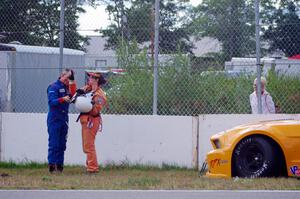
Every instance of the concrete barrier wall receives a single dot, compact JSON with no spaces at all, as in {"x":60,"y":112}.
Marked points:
{"x":180,"y":140}
{"x":212,"y":124}
{"x":136,"y":139}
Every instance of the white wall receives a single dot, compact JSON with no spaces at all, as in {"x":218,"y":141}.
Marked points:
{"x":212,"y":124}
{"x":137,"y":139}
{"x":111,"y":61}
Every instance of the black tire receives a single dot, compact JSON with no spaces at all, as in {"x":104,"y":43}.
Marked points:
{"x":254,"y":157}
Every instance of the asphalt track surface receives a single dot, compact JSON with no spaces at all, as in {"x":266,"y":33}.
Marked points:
{"x":142,"y":194}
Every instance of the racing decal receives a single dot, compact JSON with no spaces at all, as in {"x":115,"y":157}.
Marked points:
{"x":295,"y":170}
{"x":62,"y":90}
{"x":217,"y":162}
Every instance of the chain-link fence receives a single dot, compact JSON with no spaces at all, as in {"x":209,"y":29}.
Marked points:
{"x":207,"y":54}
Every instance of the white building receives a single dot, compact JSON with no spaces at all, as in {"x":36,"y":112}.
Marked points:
{"x":99,"y":57}
{"x":282,"y":66}
{"x":26,"y":72}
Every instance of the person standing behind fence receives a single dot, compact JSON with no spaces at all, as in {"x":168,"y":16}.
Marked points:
{"x":59,"y":96}
{"x":266,"y":99}
{"x":91,"y":122}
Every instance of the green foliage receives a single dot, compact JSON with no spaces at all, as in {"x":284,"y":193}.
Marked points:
{"x":16,"y":21}
{"x":285,"y":91}
{"x":213,"y":62}
{"x":284,"y":30}
{"x":131,"y":93}
{"x":134,"y":20}
{"x":184,"y":91}
{"x":37,"y":22}
{"x":194,"y":94}
{"x":229,"y":21}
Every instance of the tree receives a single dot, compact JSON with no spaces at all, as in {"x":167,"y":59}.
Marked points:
{"x":48,"y":23}
{"x":16,"y":22}
{"x":174,"y":34}
{"x":36,"y":22}
{"x":229,"y":21}
{"x":134,"y":20}
{"x":283,"y":31}
{"x":117,"y":13}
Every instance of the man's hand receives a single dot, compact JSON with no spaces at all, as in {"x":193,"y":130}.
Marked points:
{"x":67,"y":99}
{"x":71,"y":77}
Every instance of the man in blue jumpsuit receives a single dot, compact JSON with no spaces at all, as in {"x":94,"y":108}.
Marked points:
{"x":59,"y":96}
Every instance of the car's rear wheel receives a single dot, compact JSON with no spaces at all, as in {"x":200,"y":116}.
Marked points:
{"x":254,"y":157}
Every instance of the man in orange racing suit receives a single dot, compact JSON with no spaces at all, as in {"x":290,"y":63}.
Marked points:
{"x":91,"y":122}
{"x":59,"y":96}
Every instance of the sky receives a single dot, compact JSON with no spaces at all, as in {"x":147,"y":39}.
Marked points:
{"x":97,"y":18}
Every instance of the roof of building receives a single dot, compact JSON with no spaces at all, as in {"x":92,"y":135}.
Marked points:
{"x":37,"y":49}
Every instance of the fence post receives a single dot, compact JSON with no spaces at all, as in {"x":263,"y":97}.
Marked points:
{"x":257,"y":32}
{"x":156,"y":51}
{"x":61,"y":34}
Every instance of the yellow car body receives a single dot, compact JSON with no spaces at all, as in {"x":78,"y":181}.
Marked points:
{"x":282,"y":136}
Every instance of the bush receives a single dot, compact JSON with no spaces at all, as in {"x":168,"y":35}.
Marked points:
{"x":182,"y":91}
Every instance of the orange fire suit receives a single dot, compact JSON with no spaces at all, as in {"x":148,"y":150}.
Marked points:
{"x":92,"y":123}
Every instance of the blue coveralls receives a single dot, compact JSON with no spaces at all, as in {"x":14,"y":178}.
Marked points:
{"x":57,"y":122}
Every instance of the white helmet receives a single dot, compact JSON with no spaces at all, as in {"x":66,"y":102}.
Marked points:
{"x":83,"y":104}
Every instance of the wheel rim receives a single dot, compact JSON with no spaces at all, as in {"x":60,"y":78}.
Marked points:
{"x":253,"y":159}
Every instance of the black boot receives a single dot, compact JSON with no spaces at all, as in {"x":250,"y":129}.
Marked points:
{"x":51,"y":168}
{"x":60,"y":167}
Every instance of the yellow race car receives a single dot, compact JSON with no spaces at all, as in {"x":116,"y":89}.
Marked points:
{"x":264,"y":149}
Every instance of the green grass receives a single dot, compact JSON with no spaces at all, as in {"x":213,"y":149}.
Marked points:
{"x":23,"y":165}
{"x":141,"y":167}
{"x":126,"y":176}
